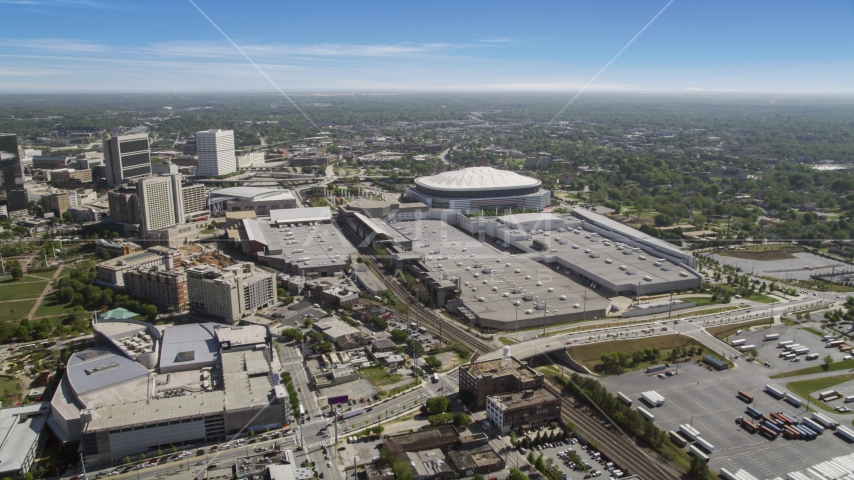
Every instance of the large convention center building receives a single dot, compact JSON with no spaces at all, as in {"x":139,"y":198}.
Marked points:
{"x":142,"y":388}
{"x":476,"y":188}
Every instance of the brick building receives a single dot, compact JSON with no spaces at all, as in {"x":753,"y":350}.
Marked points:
{"x":525,"y":409}
{"x":155,"y":284}
{"x":492,"y":377}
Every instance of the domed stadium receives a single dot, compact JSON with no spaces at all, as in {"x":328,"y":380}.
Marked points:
{"x":475,"y":188}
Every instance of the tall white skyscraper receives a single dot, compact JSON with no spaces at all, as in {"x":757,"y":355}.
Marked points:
{"x":216,"y":152}
{"x":161,"y":201}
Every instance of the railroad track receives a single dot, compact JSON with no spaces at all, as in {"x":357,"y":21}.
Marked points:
{"x":611,"y":442}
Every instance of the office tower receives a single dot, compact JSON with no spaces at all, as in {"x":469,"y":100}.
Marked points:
{"x":195,"y":199}
{"x":161,"y":202}
{"x":124,"y":205}
{"x":126,"y":157}
{"x":15,"y":201}
{"x":216,"y":153}
{"x":59,"y":203}
{"x":232,"y":292}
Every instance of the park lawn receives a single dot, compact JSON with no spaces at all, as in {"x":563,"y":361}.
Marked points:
{"x":379,"y":376}
{"x":758,"y":297}
{"x":709,"y":311}
{"x":804,"y":387}
{"x":724,"y":331}
{"x":590,"y":355}
{"x":700,"y":301}
{"x":21,"y":291}
{"x":507,"y":341}
{"x":46,"y":274}
{"x":844,"y":365}
{"x":17,"y":309}
{"x":50,"y":307}
{"x":8,"y":383}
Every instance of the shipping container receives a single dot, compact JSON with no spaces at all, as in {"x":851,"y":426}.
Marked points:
{"x":689,"y":431}
{"x":813,"y":425}
{"x":845,"y":432}
{"x":791,"y":434}
{"x":749,"y":426}
{"x":745,"y":348}
{"x":793,"y":347}
{"x":705,"y":445}
{"x":784,"y":343}
{"x":746,"y":396}
{"x":788,"y":418}
{"x":753,"y":412}
{"x":773,"y":427}
{"x":624,"y":398}
{"x":768,"y":432}
{"x":773,"y":391}
{"x":646,"y":414}
{"x":698,"y":453}
{"x":677,"y":439}
{"x":351,"y":413}
{"x":802,"y":351}
{"x":653,"y":398}
{"x":828,"y":423}
{"x":772,"y":336}
{"x":794,"y":400}
{"x":781,"y":418}
{"x":834,"y":343}
{"x":737,"y":342}
{"x":828,"y":394}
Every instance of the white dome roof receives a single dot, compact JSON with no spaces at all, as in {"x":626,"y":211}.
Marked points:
{"x":476,"y":178}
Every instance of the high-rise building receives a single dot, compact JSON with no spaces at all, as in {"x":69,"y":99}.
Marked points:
{"x":164,"y":288}
{"x":232,"y":292}
{"x":59,"y":203}
{"x":126,"y":157}
{"x":124,"y":205}
{"x":195,"y":200}
{"x":161,"y":202}
{"x":15,"y":196}
{"x":216,"y":153}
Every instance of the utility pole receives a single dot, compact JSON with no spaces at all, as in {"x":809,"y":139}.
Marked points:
{"x":670,"y":311}
{"x":545,"y":309}
{"x":335,"y":422}
{"x":82,"y":465}
{"x":584,"y":318}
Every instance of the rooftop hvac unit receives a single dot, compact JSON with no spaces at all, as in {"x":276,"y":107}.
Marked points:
{"x":550,"y":289}
{"x":623,"y":267}
{"x":539,"y":284}
{"x":467,"y":284}
{"x":641,"y":257}
{"x":554,"y":250}
{"x":657,"y":264}
{"x":529,"y":312}
{"x":528,"y":297}
{"x":508,"y":265}
{"x":516,"y":290}
{"x":518,"y":270}
{"x":465,"y":249}
{"x":666,"y":269}
{"x":575,"y":305}
{"x":631,"y":272}
{"x":486,"y":282}
{"x":486,"y":270}
{"x":683,"y":274}
{"x":468,"y":268}
{"x":481,"y":299}
{"x":505,"y":294}
{"x":563,"y":241}
{"x":594,"y":255}
{"x":563,"y":297}
{"x":459,"y":264}
{"x":575,"y":247}
{"x":494,"y":289}
{"x":647,"y":278}
{"x":662,"y":260}
{"x":477,"y":264}
{"x":586,"y":250}
{"x":609,"y":261}
{"x":628,"y":252}
{"x":476,"y":275}
{"x":527,"y":277}
{"x":517,"y":303}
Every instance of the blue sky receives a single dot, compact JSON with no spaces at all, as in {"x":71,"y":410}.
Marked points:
{"x":168,"y":46}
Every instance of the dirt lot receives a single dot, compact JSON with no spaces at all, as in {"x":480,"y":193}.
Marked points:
{"x":757,"y":253}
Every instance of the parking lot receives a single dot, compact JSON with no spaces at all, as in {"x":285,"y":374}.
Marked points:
{"x":593,"y":464}
{"x":708,"y":401}
{"x":769,"y":352}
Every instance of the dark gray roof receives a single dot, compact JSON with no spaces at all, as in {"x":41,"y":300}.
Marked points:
{"x":198,"y":338}
{"x":92,"y":370}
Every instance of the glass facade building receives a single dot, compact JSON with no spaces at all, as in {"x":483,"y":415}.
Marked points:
{"x":14,"y":196}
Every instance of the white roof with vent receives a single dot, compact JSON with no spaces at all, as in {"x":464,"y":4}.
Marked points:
{"x":476,"y":178}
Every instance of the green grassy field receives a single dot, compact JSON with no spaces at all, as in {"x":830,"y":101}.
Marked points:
{"x":724,"y":331}
{"x":835,"y":366}
{"x":700,"y":301}
{"x":46,"y":274}
{"x":507,"y":341}
{"x":21,"y":291}
{"x":758,"y":297}
{"x":50,"y":306}
{"x":813,"y":331}
{"x":804,"y":387}
{"x":16,"y":310}
{"x":379,"y":377}
{"x":8,"y":383}
{"x":590,"y":355}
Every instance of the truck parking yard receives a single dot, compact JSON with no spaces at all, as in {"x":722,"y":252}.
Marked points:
{"x":710,"y":403}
